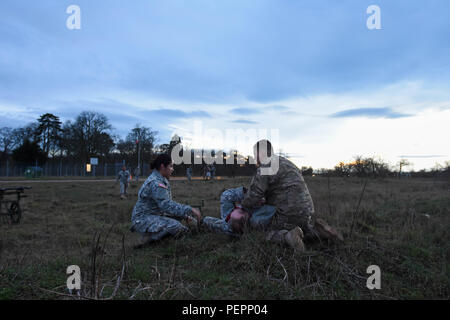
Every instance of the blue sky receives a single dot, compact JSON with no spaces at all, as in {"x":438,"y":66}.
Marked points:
{"x":310,"y":69}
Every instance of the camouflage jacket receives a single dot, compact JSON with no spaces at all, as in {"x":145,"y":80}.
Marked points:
{"x":155,"y":197}
{"x":123,"y":176}
{"x":232,"y":195}
{"x":285,"y":189}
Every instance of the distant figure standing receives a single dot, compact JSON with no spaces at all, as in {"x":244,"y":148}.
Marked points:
{"x":124,"y":178}
{"x":208,"y":173}
{"x":189,"y":173}
{"x":213,"y":171}
{"x":136,"y":174}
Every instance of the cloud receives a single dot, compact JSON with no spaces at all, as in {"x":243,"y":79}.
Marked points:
{"x":278,"y":108}
{"x":259,"y":110}
{"x":176,"y":113}
{"x":370,"y":113}
{"x":246,"y":111}
{"x":244,"y":121}
{"x":421,"y":156}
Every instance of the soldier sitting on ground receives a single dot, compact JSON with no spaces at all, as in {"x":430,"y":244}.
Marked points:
{"x":155,"y":214}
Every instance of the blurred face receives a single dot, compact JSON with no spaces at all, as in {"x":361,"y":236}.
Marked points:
{"x":238,"y":219}
{"x":166,"y":171}
{"x":124,"y":168}
{"x":261,"y":156}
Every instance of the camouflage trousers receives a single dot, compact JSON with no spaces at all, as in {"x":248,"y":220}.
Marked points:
{"x":260,"y":218}
{"x":123,"y":188}
{"x":217,"y":225}
{"x":157,"y":227}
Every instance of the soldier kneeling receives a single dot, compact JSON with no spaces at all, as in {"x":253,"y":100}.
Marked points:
{"x":155,"y":214}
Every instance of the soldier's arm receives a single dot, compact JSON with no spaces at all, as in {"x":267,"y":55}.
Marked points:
{"x":233,"y":195}
{"x":257,"y":191}
{"x":169,"y":207}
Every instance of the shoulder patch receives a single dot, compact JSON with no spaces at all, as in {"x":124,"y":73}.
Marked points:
{"x":162,"y":185}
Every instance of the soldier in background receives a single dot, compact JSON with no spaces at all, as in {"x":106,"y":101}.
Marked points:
{"x":155,"y":214}
{"x":206,"y":172}
{"x":189,"y":173}
{"x":124,"y":178}
{"x":281,"y":185}
{"x":213,"y":171}
{"x":137,"y":173}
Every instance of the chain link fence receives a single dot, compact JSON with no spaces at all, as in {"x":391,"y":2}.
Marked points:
{"x":63,"y":169}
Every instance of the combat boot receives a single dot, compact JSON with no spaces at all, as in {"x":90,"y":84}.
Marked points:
{"x":145,"y":240}
{"x":327,"y":232}
{"x":293,"y":238}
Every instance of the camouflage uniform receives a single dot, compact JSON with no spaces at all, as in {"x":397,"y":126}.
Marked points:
{"x":287,"y":191}
{"x":123,"y":177}
{"x":155,"y":213}
{"x":228,"y":200}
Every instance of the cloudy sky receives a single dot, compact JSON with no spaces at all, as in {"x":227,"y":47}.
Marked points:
{"x":310,"y":72}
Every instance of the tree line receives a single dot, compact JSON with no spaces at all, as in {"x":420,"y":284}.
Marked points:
{"x":378,"y":168}
{"x":90,"y":134}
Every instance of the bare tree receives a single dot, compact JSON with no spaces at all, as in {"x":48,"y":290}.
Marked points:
{"x":7,"y":140}
{"x":401,"y":164}
{"x":90,"y":135}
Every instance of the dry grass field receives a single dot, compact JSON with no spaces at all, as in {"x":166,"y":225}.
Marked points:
{"x":401,"y":225}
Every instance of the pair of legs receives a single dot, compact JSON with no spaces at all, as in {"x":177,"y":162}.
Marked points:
{"x":154,"y":227}
{"x":123,"y":189}
{"x":291,"y":230}
{"x":260,"y":217}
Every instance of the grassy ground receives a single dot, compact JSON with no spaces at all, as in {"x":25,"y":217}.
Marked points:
{"x":401,"y":225}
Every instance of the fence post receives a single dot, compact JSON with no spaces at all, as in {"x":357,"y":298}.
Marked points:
{"x":7,"y":168}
